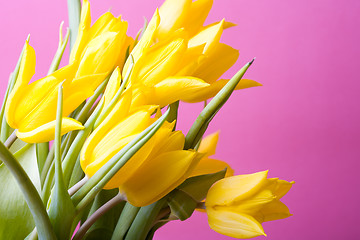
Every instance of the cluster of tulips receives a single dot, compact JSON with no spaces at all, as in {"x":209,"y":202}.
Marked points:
{"x":91,"y":151}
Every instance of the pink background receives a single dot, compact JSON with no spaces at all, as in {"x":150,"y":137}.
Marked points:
{"x":303,"y":124}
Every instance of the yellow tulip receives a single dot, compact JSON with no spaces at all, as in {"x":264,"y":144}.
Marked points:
{"x":176,"y":46}
{"x":209,"y":165}
{"x":31,"y":108}
{"x":236,"y":206}
{"x":106,"y":37}
{"x":156,"y":169}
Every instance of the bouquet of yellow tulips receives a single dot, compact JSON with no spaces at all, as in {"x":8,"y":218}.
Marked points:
{"x":91,"y":151}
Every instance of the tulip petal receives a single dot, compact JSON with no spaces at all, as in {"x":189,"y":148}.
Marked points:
{"x":217,"y":62}
{"x":235,"y":188}
{"x":210,"y":91}
{"x":146,"y":40}
{"x":159,"y":62}
{"x":233,"y":224}
{"x":282,"y":188}
{"x":197,"y":15}
{"x":274,"y":211}
{"x":46,"y":132}
{"x":26,"y":71}
{"x":208,"y":144}
{"x":173,"y":13}
{"x":99,"y":54}
{"x":211,"y":36}
{"x":208,"y":165}
{"x":176,"y":88}
{"x":112,"y":86}
{"x":157,"y":177}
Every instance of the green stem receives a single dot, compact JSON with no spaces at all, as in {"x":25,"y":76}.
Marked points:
{"x":126,"y":218}
{"x":74,"y":11}
{"x":144,"y":220}
{"x":31,"y":195}
{"x":59,"y":52}
{"x":97,"y":214}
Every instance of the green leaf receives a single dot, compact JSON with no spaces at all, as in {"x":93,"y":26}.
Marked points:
{"x":61,"y":210}
{"x":181,"y":204}
{"x":16,"y":221}
{"x":201,"y":123}
{"x":198,"y":186}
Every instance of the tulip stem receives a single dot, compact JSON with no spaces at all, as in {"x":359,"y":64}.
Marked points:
{"x":31,"y":195}
{"x":97,"y":214}
{"x":60,"y":51}
{"x":11,"y":139}
{"x":207,"y":114}
{"x":144,"y":220}
{"x":74,"y":11}
{"x":127,"y":216}
{"x":77,"y":186}
{"x":75,"y":148}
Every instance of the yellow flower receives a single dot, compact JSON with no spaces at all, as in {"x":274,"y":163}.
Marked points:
{"x":176,"y":46}
{"x":31,"y":108}
{"x":209,"y":165}
{"x":156,"y":169}
{"x":106,"y":40}
{"x":236,"y":206}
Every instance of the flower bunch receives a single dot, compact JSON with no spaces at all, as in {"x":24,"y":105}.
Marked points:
{"x":117,"y":165}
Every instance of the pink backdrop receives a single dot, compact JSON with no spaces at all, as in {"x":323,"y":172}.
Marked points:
{"x":303,"y":124}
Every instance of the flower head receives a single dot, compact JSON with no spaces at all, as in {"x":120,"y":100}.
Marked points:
{"x":31,"y":107}
{"x":236,"y":206}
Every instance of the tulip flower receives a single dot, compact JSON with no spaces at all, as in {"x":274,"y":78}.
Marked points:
{"x":31,"y":108}
{"x":209,"y":165}
{"x":191,"y":52}
{"x":236,"y":206}
{"x":156,"y":169}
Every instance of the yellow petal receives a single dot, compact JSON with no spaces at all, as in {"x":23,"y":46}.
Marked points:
{"x":210,"y":36}
{"x":173,"y":13}
{"x":198,"y":12}
{"x":253,"y":204}
{"x":235,"y":188}
{"x":233,"y":224}
{"x":176,"y":88}
{"x":97,"y":147}
{"x":282,"y":188}
{"x":112,"y":87}
{"x":274,"y":211}
{"x":217,"y":62}
{"x":101,"y":54}
{"x":107,"y":23}
{"x":159,"y":62}
{"x":210,"y":91}
{"x":157,"y":177}
{"x":208,"y":144}
{"x":146,"y":40}
{"x":207,"y":166}
{"x":46,"y":132}
{"x":26,"y":71}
